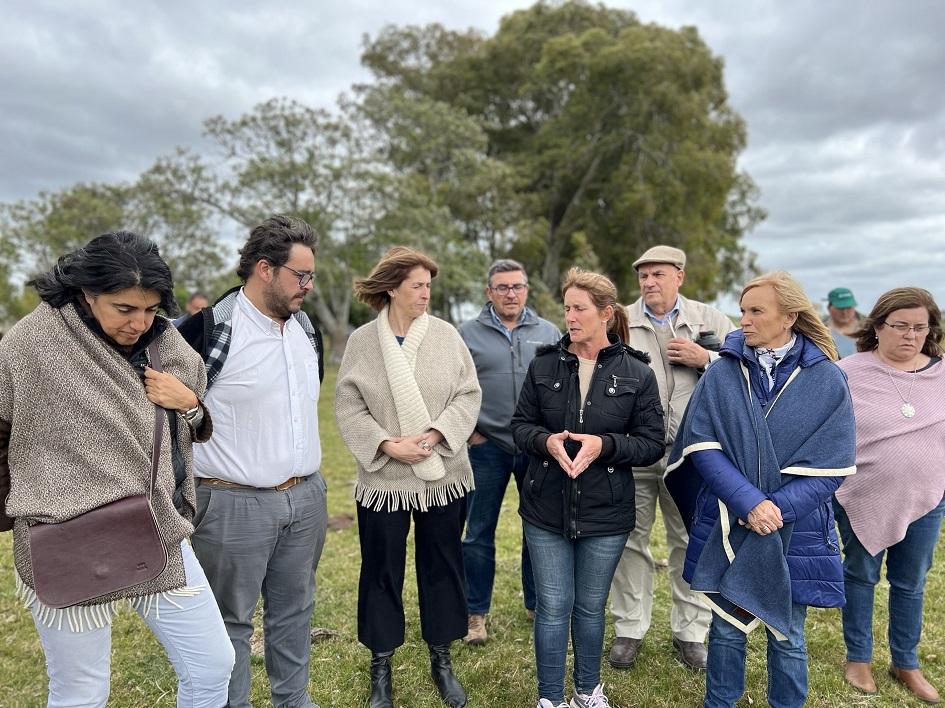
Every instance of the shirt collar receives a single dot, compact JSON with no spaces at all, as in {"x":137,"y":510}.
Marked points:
{"x":668,"y":317}
{"x":265,"y":323}
{"x":500,"y":323}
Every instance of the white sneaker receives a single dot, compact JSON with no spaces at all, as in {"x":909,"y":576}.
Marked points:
{"x":545,"y":703}
{"x":597,"y":699}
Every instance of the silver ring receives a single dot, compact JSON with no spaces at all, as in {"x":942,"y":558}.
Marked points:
{"x":765,"y":529}
{"x":424,"y":444}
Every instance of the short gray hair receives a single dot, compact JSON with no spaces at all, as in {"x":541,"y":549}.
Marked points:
{"x":505,"y":265}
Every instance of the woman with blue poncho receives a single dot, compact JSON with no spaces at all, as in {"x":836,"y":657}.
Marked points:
{"x":766,"y":440}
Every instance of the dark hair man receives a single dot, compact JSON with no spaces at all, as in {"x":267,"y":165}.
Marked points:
{"x":264,"y":530}
{"x":665,"y":325}
{"x":503,"y":340}
{"x":196,"y":302}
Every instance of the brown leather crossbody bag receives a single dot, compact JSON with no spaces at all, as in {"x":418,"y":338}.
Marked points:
{"x":102,"y":551}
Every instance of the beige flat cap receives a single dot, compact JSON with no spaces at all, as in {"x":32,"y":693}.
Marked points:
{"x":662,"y":254}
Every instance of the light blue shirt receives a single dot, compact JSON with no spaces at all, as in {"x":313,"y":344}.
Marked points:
{"x":505,"y":330}
{"x":665,"y":320}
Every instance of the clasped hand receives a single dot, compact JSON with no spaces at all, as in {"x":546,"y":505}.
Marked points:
{"x":167,"y":391}
{"x":590,"y":451}
{"x":764,"y":518}
{"x":413,"y":448}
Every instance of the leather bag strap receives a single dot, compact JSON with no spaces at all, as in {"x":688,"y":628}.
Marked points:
{"x":155,"y":358}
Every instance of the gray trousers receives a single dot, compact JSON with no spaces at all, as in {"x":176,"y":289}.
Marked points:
{"x":253,"y":542}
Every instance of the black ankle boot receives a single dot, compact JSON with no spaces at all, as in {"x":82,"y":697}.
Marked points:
{"x":443,"y":677}
{"x":381,"y":689}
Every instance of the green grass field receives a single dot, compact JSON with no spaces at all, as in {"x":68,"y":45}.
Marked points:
{"x":499,"y":674}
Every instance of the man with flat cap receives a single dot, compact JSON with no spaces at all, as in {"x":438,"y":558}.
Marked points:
{"x":682,"y":337}
{"x":842,"y":320}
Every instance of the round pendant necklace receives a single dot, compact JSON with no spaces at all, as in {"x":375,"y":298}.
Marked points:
{"x":907,"y":409}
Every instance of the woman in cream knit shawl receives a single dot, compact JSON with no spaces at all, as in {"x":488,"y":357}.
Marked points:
{"x":77,"y":414}
{"x":406,"y":401}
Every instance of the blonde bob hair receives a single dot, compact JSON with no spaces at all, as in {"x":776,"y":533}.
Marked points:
{"x":602,"y":292}
{"x":791,"y":298}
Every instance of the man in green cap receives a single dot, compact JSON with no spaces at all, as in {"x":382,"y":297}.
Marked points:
{"x":843,"y":320}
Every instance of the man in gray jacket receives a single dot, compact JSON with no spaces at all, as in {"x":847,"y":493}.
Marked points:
{"x":667,"y":326}
{"x":503,"y":340}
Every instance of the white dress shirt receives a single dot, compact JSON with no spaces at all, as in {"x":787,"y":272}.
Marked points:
{"x":264,"y":404}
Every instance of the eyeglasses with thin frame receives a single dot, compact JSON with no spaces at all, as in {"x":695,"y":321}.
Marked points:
{"x":503,"y":289}
{"x":902,"y":327}
{"x":304,"y":278}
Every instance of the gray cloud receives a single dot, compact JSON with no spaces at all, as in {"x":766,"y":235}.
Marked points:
{"x":844,"y":107}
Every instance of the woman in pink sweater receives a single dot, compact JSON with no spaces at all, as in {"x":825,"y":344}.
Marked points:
{"x":893,"y":505}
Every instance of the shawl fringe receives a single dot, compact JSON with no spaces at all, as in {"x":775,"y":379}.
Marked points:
{"x":403,"y":500}
{"x":86,"y":618}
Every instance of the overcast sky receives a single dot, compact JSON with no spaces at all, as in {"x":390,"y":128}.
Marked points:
{"x":845,"y":104}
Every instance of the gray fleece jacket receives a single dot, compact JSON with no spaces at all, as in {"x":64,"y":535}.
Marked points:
{"x":501,"y":367}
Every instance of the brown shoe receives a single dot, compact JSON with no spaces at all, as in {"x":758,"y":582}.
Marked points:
{"x":476,"y":633}
{"x":915,"y":682}
{"x":859,"y":674}
{"x":624,"y":652}
{"x":692,"y":654}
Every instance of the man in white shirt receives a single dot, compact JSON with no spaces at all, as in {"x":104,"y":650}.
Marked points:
{"x":679,"y":334}
{"x":261,"y":509}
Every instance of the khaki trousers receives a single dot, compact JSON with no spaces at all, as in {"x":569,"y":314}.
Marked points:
{"x":631,"y":593}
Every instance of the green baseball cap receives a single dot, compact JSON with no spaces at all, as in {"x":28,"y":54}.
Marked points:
{"x":841,"y":298}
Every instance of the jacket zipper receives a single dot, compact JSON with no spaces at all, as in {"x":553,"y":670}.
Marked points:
{"x":576,"y":483}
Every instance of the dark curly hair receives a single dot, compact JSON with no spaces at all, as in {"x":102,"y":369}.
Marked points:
{"x":114,"y":261}
{"x":272,"y":240}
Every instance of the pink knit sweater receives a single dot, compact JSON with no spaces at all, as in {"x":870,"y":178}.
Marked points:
{"x":900,"y":462}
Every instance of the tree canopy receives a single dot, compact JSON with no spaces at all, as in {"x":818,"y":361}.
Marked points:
{"x":620,"y":134}
{"x":573,"y":135}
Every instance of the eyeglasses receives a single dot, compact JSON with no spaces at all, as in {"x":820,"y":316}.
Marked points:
{"x":304,"y":278}
{"x":902,"y":327}
{"x":504,"y":289}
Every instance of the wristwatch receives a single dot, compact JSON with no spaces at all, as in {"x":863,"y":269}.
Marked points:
{"x":191,"y":414}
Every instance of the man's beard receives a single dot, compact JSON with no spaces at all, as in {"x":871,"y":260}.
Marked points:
{"x":280,"y":305}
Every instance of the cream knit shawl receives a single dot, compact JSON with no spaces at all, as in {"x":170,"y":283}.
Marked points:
{"x":400,"y":362}
{"x":81,"y":432}
{"x":367,"y":415}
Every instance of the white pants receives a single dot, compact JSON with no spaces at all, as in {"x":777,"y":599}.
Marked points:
{"x":631,"y":593}
{"x":189,"y":628}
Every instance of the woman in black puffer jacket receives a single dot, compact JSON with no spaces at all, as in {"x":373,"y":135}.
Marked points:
{"x":588,"y":413}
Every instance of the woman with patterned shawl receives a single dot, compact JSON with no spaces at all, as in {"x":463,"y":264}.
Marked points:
{"x":766,"y":440}
{"x":77,"y":398}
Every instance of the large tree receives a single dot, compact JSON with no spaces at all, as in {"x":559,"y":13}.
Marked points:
{"x":284,"y":157}
{"x":37,"y":231}
{"x":444,"y":194}
{"x":620,"y":134}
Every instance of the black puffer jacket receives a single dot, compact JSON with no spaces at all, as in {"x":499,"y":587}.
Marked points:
{"x":623,"y":408}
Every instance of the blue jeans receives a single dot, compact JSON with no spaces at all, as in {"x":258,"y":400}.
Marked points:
{"x":572,"y":580}
{"x":189,"y":628}
{"x":907,"y":564}
{"x":787,"y":664}
{"x":492,"y":467}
